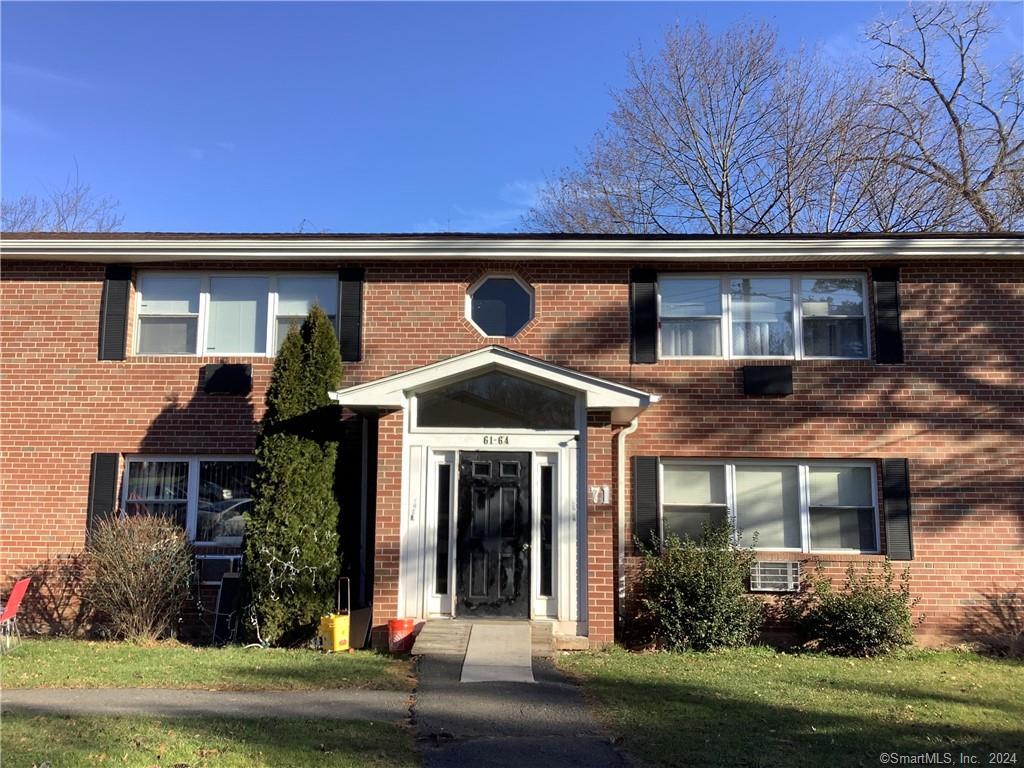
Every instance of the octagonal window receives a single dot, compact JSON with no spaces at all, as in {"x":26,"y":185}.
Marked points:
{"x":500,"y":305}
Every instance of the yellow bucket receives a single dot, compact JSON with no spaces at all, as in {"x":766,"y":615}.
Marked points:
{"x":334,"y":632}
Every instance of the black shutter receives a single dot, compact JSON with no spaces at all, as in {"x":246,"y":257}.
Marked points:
{"x":114,"y":311}
{"x":350,"y":314}
{"x":645,"y":499}
{"x":896,"y":490}
{"x":888,"y":335}
{"x":102,"y":488}
{"x":643,"y":315}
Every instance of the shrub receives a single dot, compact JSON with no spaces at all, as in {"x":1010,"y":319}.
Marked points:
{"x":140,"y":574}
{"x":870,"y":615}
{"x":693,"y":595}
{"x":291,"y":539}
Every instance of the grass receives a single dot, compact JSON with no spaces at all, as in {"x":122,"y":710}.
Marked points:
{"x":756,"y":707}
{"x":62,"y":663}
{"x":33,"y":740}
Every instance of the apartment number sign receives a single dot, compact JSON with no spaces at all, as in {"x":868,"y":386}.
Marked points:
{"x":495,"y":439}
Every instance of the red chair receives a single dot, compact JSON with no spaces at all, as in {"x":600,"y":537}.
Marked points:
{"x":9,"y":618}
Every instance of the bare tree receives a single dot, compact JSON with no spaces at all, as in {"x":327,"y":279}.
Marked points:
{"x":72,"y":208}
{"x":957,"y":125}
{"x":720,"y":134}
{"x":729,"y":134}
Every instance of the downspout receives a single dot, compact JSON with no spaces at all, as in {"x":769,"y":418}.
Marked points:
{"x":621,"y":459}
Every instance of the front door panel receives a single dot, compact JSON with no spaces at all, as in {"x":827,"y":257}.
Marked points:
{"x":493,"y":536}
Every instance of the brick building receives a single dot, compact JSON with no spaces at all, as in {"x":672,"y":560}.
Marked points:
{"x":516,"y":409}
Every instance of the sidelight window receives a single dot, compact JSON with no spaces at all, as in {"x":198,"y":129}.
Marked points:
{"x":444,"y":506}
{"x":547,"y":521}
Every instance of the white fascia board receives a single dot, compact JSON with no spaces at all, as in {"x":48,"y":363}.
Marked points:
{"x":393,"y":391}
{"x":157,"y":250}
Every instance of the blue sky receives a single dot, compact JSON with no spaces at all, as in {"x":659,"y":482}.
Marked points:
{"x":338,"y":116}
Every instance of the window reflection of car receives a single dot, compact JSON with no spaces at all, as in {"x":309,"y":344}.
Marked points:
{"x":222,"y":519}
{"x":214,"y":491}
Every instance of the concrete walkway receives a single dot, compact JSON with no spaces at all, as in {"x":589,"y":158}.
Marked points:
{"x":505,"y":724}
{"x":498,"y":653}
{"x":334,"y":704}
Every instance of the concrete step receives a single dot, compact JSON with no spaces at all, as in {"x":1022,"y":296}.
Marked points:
{"x":541,"y":638}
{"x":451,"y":636}
{"x":570,"y":643}
{"x":442,"y":637}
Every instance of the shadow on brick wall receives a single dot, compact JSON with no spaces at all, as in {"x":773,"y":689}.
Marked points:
{"x":200,"y":423}
{"x":54,"y":604}
{"x":999,"y":617}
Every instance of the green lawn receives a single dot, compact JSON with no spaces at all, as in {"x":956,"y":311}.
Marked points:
{"x":756,"y":707}
{"x":60,"y":663}
{"x":65,"y":742}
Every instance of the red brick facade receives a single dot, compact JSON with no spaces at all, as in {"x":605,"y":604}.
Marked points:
{"x":955,"y":409}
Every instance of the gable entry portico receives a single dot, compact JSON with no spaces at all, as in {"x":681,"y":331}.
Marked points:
{"x":482,"y":498}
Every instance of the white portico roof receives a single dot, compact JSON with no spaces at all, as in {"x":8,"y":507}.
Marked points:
{"x":392,"y":392}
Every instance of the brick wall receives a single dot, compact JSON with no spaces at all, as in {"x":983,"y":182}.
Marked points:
{"x":389,"y":517}
{"x":601,"y":520}
{"x":954,"y":409}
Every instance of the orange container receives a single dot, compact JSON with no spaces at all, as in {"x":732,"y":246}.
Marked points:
{"x":401,"y":633}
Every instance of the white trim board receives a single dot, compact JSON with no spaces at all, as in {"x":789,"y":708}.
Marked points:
{"x":140,"y":248}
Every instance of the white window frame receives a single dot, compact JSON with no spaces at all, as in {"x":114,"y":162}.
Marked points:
{"x":192,"y":502}
{"x":202,"y":327}
{"x":795,"y":279}
{"x":490,"y":276}
{"x":803,"y":473}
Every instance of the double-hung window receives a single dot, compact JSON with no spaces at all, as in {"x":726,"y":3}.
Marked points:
{"x":693,"y":497}
{"x":833,"y":317}
{"x":763,"y":316}
{"x":841,"y":508}
{"x":296,"y":297}
{"x":691,"y":318}
{"x":820,"y":506}
{"x":207,"y":496}
{"x":226,"y":314}
{"x":168,"y":315}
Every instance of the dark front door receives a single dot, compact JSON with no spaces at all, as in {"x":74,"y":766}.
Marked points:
{"x":493,"y":540}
